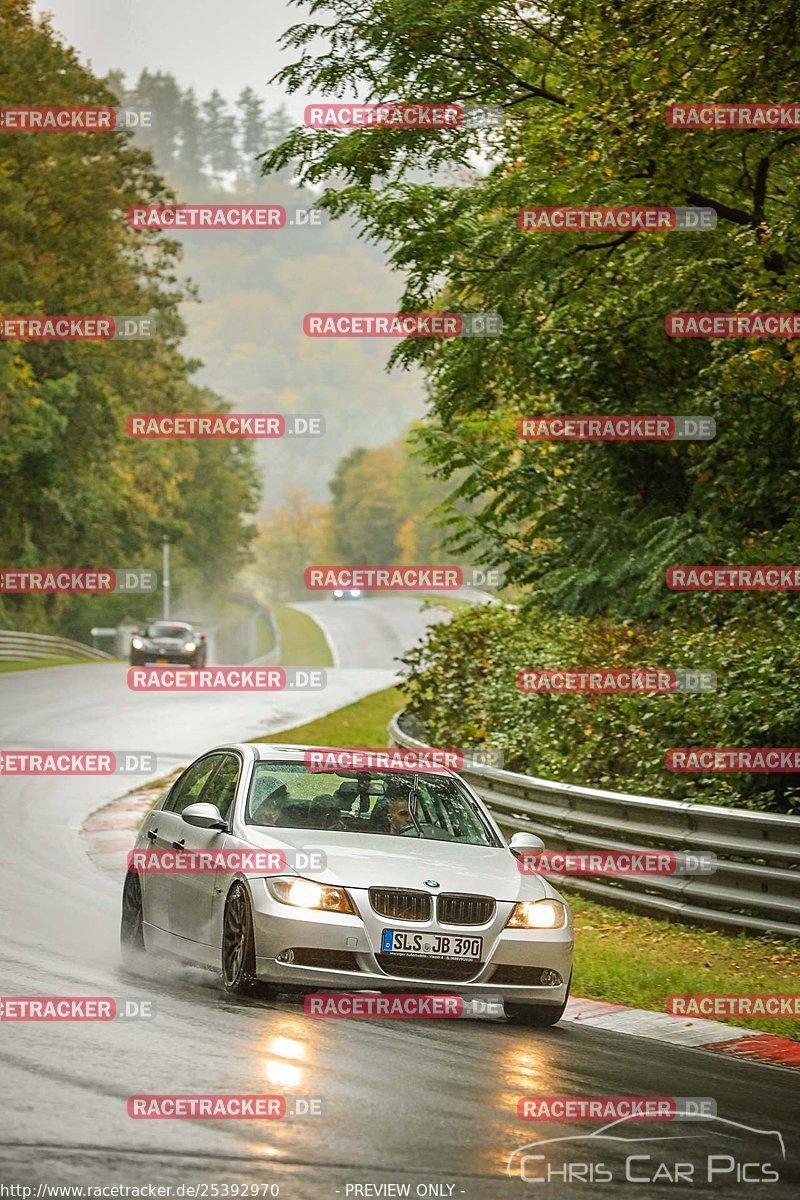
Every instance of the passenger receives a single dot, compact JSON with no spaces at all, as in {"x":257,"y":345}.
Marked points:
{"x":269,"y":801}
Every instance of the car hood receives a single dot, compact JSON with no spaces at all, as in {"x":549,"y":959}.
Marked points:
{"x":359,"y":860}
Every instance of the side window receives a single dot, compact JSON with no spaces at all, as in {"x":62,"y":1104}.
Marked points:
{"x":222,"y":788}
{"x":188,"y":788}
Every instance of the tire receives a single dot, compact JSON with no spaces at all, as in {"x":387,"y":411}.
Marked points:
{"x":537,"y":1016}
{"x":238,"y":944}
{"x":131,"y":928}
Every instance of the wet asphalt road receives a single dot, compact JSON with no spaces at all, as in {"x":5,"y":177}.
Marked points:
{"x":430,"y":1106}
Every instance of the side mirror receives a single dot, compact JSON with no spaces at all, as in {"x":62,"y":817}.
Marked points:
{"x":204,"y":816}
{"x":520,"y":842}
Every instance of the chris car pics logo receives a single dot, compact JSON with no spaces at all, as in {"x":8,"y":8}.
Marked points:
{"x":693,"y":1150}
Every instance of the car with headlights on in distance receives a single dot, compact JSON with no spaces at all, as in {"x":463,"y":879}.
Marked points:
{"x":174,"y":642}
{"x":413,"y":887}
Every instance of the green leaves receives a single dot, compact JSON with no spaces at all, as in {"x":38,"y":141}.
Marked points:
{"x":75,"y":489}
{"x":584,"y":95}
{"x":461,"y":688}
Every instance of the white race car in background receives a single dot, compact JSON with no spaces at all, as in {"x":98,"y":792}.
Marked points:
{"x":419,"y":890}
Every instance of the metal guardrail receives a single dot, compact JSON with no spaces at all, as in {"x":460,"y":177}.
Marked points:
{"x":756,"y":886}
{"x":18,"y":646}
{"x":272,"y":656}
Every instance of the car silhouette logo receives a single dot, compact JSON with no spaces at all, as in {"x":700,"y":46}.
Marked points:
{"x":431,"y":883}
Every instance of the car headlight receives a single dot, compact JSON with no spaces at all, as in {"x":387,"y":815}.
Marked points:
{"x":538,"y":914}
{"x":137,"y":643}
{"x":190,"y":646}
{"x":338,"y":593}
{"x":305,"y":893}
{"x":355,"y":593}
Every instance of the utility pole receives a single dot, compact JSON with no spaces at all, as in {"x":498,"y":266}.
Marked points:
{"x":165,"y":578}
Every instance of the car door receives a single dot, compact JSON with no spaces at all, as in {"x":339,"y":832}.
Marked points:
{"x":165,"y":830}
{"x":191,"y":896}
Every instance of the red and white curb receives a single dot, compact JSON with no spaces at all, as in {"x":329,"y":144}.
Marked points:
{"x":693,"y":1032}
{"x":109,"y":834}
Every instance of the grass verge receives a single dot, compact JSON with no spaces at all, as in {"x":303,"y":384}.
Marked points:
{"x":638,"y":960}
{"x":35,"y":664}
{"x":619,"y":956}
{"x":360,"y":724}
{"x":303,"y":643}
{"x":265,"y":639}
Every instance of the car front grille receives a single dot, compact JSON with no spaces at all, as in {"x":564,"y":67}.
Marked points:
{"x":452,"y":908}
{"x":412,"y":966}
{"x":400,"y":905}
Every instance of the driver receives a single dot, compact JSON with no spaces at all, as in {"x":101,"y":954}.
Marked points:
{"x":398,"y":812}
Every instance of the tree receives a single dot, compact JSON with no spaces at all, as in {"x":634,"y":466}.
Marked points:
{"x":366,"y":505}
{"x":220,"y":135}
{"x":252,"y":131}
{"x":76,"y":489}
{"x":291,"y":537}
{"x":584,"y":91}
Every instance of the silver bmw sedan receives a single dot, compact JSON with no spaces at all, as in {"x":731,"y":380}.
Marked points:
{"x":288,"y":877}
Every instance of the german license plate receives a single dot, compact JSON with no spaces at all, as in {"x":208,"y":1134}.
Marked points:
{"x":432,"y":945}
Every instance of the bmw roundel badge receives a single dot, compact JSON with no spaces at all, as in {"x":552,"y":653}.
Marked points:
{"x":431,"y":883}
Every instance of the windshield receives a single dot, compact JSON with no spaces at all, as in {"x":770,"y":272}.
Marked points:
{"x":161,"y":629}
{"x":392,"y":803}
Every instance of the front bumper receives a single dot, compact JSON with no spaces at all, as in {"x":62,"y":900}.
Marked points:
{"x":280,"y":928}
{"x":140,"y":658}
